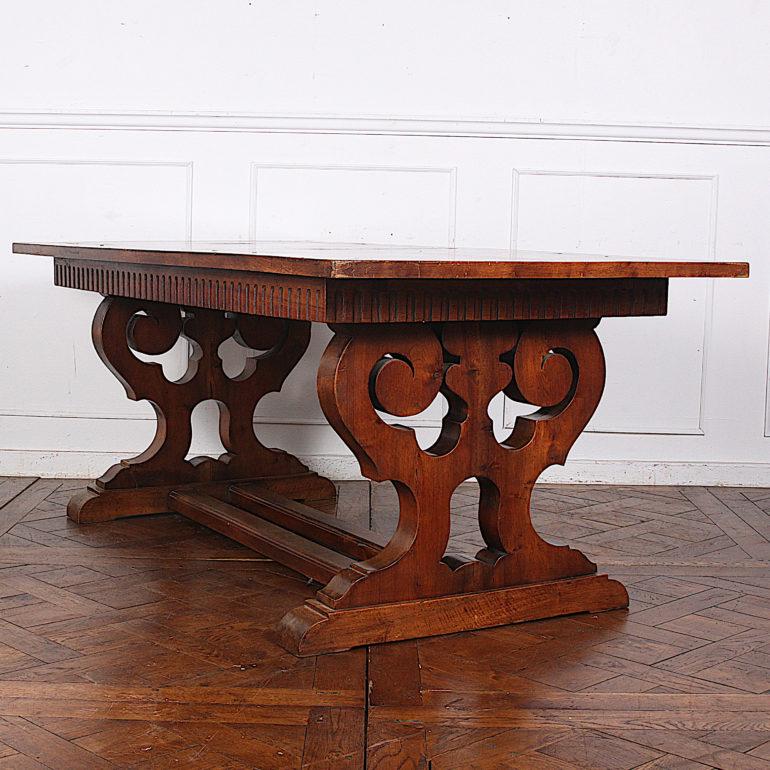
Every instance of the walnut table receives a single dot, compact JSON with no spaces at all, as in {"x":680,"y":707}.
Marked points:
{"x":409,"y":323}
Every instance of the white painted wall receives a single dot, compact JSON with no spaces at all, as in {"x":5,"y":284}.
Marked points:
{"x":621,"y":127}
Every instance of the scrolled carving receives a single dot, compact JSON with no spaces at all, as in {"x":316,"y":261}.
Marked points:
{"x":556,"y":366}
{"x":124,"y":325}
{"x":155,"y":331}
{"x":262,"y":333}
{"x":401,"y":386}
{"x":542,"y":376}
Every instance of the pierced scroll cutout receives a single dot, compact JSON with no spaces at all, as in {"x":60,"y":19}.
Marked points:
{"x":240,"y":355}
{"x":555,"y":366}
{"x":175,"y":361}
{"x":123,"y":325}
{"x":205,"y":442}
{"x":473,"y":498}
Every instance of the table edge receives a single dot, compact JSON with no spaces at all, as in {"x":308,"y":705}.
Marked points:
{"x":392,"y":269}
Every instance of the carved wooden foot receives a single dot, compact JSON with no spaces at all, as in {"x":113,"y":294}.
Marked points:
{"x":411,"y":586}
{"x":142,"y":485}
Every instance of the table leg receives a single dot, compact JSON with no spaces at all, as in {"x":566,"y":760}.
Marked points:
{"x":141,"y":485}
{"x":412,"y":586}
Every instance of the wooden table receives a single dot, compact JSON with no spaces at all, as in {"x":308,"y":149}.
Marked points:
{"x":408,"y":324}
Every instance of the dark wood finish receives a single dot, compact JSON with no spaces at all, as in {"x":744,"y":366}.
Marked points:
{"x":521,"y":324}
{"x":122,"y":326}
{"x":150,"y":644}
{"x":320,"y":527}
{"x":316,"y":628}
{"x":556,"y":366}
{"x":283,"y":545}
{"x":355,"y":260}
{"x":368,"y":301}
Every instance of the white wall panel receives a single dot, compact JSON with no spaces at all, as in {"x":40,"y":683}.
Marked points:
{"x":353,"y":204}
{"x":654,"y":216}
{"x":48,"y":364}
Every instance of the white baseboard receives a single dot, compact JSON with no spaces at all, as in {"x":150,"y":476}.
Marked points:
{"x":344,"y":467}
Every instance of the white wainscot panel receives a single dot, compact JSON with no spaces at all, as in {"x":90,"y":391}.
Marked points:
{"x":655,"y":365}
{"x":358,"y":204}
{"x":48,"y":367}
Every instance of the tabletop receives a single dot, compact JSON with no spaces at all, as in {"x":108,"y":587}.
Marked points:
{"x":382,"y":261}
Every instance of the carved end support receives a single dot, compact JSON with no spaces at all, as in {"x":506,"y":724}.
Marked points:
{"x":368,"y":370}
{"x":140,"y":485}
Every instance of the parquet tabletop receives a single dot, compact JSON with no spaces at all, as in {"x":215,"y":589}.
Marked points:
{"x":148,"y":643}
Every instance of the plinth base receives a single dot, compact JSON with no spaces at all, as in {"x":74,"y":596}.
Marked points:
{"x":314,"y":628}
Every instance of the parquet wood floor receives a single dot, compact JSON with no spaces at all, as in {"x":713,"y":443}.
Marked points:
{"x":147,"y":643}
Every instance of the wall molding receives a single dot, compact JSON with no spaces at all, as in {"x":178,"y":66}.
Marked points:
{"x":411,"y":422}
{"x":766,"y":427}
{"x":708,"y":290}
{"x":101,"y":120}
{"x":256,"y":167}
{"x":187,"y":165}
{"x":42,"y":414}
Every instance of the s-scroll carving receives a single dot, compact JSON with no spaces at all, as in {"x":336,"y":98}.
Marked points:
{"x":123,"y":325}
{"x":557,"y":366}
{"x":399,"y":369}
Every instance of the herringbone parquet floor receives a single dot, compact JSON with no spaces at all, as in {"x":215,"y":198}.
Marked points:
{"x":147,"y":643}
